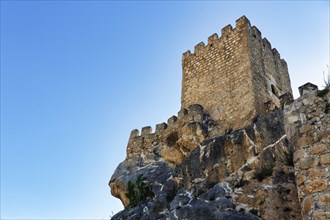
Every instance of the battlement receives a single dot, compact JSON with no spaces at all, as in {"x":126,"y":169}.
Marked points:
{"x":215,"y":41}
{"x":144,"y":141}
{"x":234,"y":75}
{"x":195,"y":113}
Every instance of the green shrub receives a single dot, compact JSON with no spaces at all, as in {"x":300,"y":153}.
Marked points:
{"x":322,"y":92}
{"x":138,"y":191}
{"x":327,"y":80}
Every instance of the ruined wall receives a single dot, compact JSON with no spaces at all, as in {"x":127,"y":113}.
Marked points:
{"x":172,"y":140}
{"x":308,"y":129}
{"x":233,"y":76}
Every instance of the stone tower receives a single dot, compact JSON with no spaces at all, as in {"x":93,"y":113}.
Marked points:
{"x":235,"y":77}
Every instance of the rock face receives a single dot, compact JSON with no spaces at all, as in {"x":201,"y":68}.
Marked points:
{"x":275,"y":168}
{"x":273,"y":164}
{"x":245,"y":174}
{"x":255,"y":164}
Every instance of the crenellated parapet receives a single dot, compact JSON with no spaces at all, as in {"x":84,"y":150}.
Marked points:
{"x":242,"y":24}
{"x":265,"y":43}
{"x":144,"y":141}
{"x":214,"y":41}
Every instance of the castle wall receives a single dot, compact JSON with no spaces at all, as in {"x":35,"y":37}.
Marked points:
{"x":234,"y":76}
{"x":307,"y":125}
{"x":269,"y":72}
{"x":218,"y":77}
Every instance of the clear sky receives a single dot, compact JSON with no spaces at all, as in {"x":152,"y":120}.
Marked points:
{"x":78,"y":76}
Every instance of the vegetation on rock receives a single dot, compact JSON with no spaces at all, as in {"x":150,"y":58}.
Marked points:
{"x":327,"y":80}
{"x":322,"y":92}
{"x":138,"y":191}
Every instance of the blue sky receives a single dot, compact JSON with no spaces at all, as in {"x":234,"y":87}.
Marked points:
{"x":78,"y":76}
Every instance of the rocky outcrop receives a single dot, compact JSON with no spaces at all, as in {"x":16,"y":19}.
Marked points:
{"x":245,"y":174}
{"x":275,"y":168}
{"x":255,"y":163}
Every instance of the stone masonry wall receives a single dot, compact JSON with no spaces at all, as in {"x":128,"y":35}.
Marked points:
{"x":308,"y":129}
{"x":234,"y":76}
{"x":218,"y":77}
{"x":270,"y":73}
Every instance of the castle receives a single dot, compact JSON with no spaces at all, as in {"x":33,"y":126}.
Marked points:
{"x":234,"y":77}
{"x":240,"y":147}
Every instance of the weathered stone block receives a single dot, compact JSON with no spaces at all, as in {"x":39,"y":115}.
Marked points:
{"x":305,"y":101}
{"x":172,"y":120}
{"x":316,"y":186}
{"x":146,"y":130}
{"x":319,"y":148}
{"x":305,"y":141}
{"x":134,"y":133}
{"x":182,"y":112}
{"x":323,"y":135}
{"x":325,"y":159}
{"x":298,"y":155}
{"x":319,"y":215}
{"x":308,"y":162}
{"x":316,"y":173}
{"x":195,"y":109}
{"x":292,"y":119}
{"x":307,"y":204}
{"x":324,"y":200}
{"x":160,"y":127}
{"x":306,"y":128}
{"x":300,"y":179}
